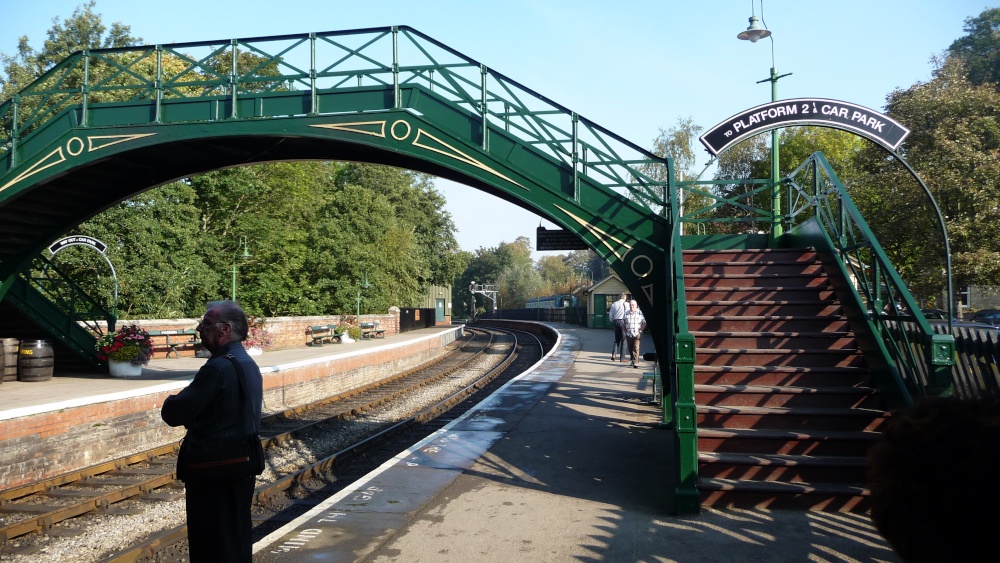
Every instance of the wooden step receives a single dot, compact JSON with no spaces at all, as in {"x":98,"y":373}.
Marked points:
{"x":773,"y":339}
{"x":753,"y":268}
{"x":754,"y":280}
{"x":780,"y":418}
{"x":722,"y":323}
{"x":783,"y":467}
{"x":782,"y":375}
{"x":764,"y":308}
{"x":788,"y":397}
{"x":755,"y":255}
{"x":749,"y":293}
{"x":771,"y":494}
{"x":787,"y":357}
{"x":802,"y":442}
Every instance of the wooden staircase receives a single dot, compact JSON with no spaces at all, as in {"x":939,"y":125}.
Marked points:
{"x":786,"y":409}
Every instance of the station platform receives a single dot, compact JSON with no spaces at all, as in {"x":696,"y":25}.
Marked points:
{"x":20,"y":398}
{"x":74,"y":420}
{"x":567,"y":463}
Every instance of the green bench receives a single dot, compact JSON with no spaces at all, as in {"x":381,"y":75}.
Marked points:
{"x":172,"y":344}
{"x":372,"y":330}
{"x":653,"y":377}
{"x":324,"y":333}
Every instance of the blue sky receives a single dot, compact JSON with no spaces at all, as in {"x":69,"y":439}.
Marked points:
{"x":635,"y":68}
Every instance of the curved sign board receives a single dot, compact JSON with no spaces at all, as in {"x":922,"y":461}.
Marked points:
{"x":821,"y":112}
{"x":77,"y":240}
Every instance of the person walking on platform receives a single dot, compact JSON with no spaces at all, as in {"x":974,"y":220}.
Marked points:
{"x":617,"y":316}
{"x":221,"y":411}
{"x":634,"y":324}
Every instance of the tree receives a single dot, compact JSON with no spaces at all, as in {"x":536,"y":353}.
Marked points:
{"x":83,"y":30}
{"x":980,"y":49}
{"x":161,"y":273}
{"x":749,"y":159}
{"x":678,"y":143}
{"x":953,"y":146}
{"x":839,"y":147}
{"x":507,"y":266}
{"x":558,"y":276}
{"x":419,"y":205}
{"x":588,"y":265}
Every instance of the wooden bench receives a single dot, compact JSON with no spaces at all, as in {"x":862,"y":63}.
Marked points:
{"x":372,"y":330}
{"x":194,"y":339}
{"x":324,"y":333}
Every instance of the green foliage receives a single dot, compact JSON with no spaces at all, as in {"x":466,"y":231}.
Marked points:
{"x":953,"y":146}
{"x":83,"y":30}
{"x":588,"y":265}
{"x":313,"y":236}
{"x":980,"y":49}
{"x":679,"y":143}
{"x":353,"y":331}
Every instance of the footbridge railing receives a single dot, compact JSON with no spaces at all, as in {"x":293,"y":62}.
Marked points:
{"x":53,"y":301}
{"x":298,"y":75}
{"x":820,"y":209}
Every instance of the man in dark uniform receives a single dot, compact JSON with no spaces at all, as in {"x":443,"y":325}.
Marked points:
{"x":217,"y":414}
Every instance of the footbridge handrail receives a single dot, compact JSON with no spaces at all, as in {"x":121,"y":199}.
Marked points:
{"x":919,"y":358}
{"x":62,"y":292}
{"x":247,"y":77}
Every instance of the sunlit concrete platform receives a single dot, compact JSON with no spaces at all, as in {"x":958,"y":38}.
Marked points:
{"x":568,"y":463}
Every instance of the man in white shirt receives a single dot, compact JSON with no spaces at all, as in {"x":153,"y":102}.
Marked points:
{"x":617,"y":316}
{"x":633,"y":325}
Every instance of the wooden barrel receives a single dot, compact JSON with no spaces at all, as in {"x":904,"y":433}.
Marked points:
{"x":35,"y":360}
{"x":8,"y":369}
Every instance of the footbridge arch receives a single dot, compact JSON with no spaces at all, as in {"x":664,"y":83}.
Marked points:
{"x":104,"y":125}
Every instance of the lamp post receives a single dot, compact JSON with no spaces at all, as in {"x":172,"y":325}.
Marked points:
{"x":236,"y":255}
{"x":754,"y":33}
{"x":364,"y":285}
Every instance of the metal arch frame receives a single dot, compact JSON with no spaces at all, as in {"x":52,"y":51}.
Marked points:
{"x":944,"y":235}
{"x":114,"y":275}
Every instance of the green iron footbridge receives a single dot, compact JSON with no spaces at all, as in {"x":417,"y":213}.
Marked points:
{"x":104,"y":125}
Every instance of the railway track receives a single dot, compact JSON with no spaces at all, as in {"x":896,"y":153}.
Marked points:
{"x":302,"y":446}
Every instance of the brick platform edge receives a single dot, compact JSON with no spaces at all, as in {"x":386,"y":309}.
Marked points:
{"x":46,"y":444}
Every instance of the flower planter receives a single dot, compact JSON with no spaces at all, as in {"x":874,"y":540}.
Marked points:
{"x":123,"y":369}
{"x":255,"y":351}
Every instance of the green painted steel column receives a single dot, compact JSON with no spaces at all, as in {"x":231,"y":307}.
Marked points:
{"x":776,"y":229}
{"x":85,"y":90}
{"x":942,"y":357}
{"x":686,"y":497}
{"x":313,"y":94}
{"x":234,"y":82}
{"x":158,"y":86}
{"x":396,"y":98}
{"x":15,"y":132}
